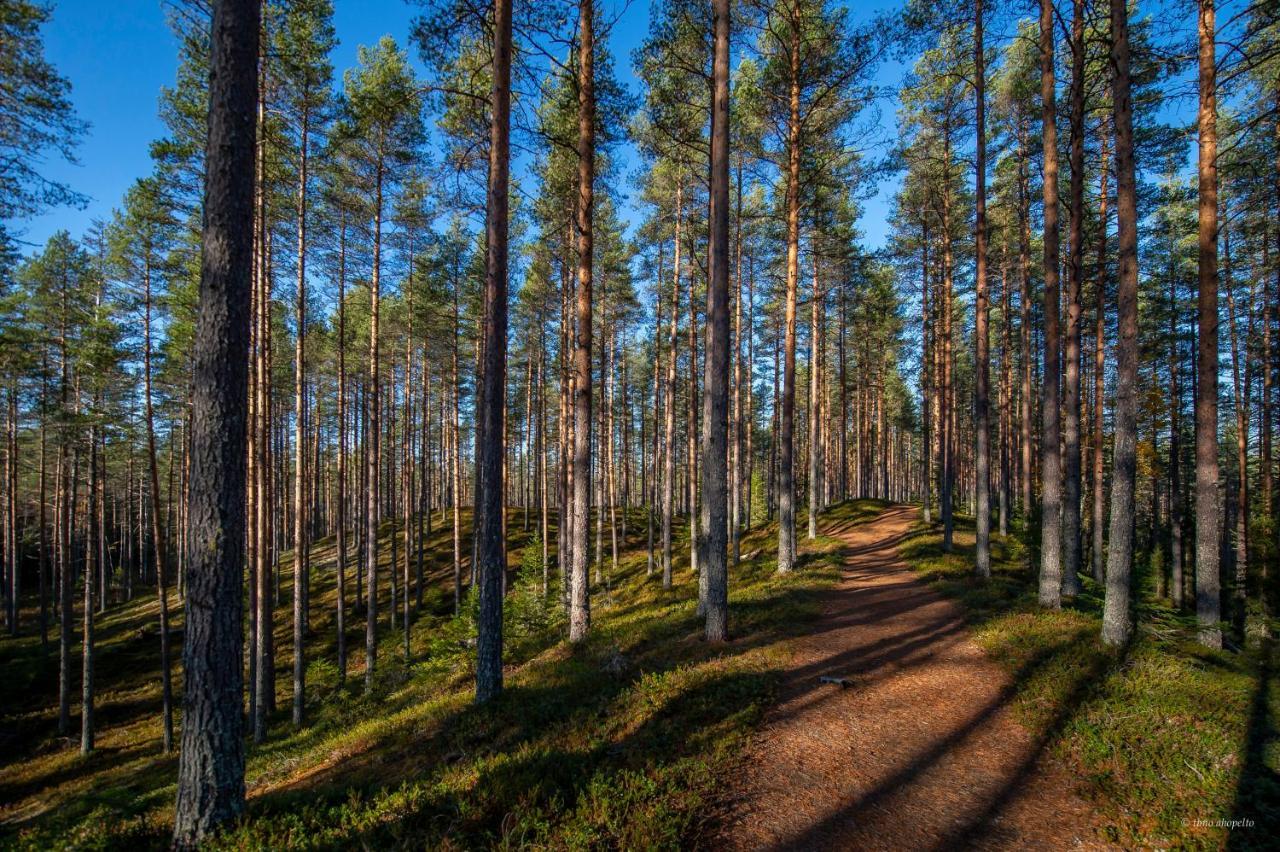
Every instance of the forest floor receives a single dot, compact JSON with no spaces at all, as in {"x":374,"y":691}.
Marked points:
{"x":1172,"y":745}
{"x":971,"y":717}
{"x":916,"y":746}
{"x":621,"y":742}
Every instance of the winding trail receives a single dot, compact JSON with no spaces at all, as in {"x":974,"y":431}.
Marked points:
{"x":920,"y":750}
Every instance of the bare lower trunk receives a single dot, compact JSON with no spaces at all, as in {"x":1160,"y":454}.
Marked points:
{"x":301,"y":562}
{"x":1117,"y":617}
{"x":211,"y":762}
{"x":489,"y":515}
{"x":1024,"y":323}
{"x":1099,"y":370}
{"x":786,"y":437}
{"x":982,"y":355}
{"x":1075,"y":274}
{"x":579,"y":609}
{"x":815,"y":406}
{"x":715,"y":514}
{"x":1051,"y":477}
{"x":373,"y":461}
{"x":668,"y":435}
{"x":1208,"y":510}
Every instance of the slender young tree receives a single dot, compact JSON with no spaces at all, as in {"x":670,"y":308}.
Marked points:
{"x":1070,"y":532}
{"x":211,"y":761}
{"x":306,"y":37}
{"x":383,"y":129}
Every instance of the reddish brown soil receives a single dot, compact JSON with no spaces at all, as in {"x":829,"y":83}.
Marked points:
{"x":920,"y":751}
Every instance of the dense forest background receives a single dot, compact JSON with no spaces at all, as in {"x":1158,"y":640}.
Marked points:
{"x":514,"y":348}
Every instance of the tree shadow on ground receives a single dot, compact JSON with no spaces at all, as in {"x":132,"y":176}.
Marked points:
{"x":1258,"y":789}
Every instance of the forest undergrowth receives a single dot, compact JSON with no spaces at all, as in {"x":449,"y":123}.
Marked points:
{"x":1175,"y":744}
{"x":620,"y":742}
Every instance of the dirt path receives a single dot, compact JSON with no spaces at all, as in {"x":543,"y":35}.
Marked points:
{"x":921,"y":751}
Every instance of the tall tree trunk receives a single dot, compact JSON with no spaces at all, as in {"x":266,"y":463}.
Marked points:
{"x":1117,"y":618}
{"x":580,"y":608}
{"x":61,"y":520}
{"x":1268,"y":370}
{"x":1208,"y":510}
{"x":1099,"y":370}
{"x":1176,"y":547}
{"x":735,"y":437}
{"x":42,"y":519}
{"x":668,"y":440}
{"x":749,"y":413}
{"x":1006,"y":393}
{"x":157,"y":534}
{"x":211,"y":761}
{"x":1075,"y":273}
{"x":691,"y":445}
{"x":1241,"y":380}
{"x":455,"y":471}
{"x":946,"y":406}
{"x":927,"y":377}
{"x":815,"y":383}
{"x":1051,"y":476}
{"x":373,"y":461}
{"x":982,"y":355}
{"x":301,"y":557}
{"x":265,"y":687}
{"x":340,"y":498}
{"x":786,"y":437}
{"x":490,"y":405}
{"x":651,"y":493}
{"x":10,"y":548}
{"x":715,"y":412}
{"x":1024,"y":321}
{"x":90,"y":570}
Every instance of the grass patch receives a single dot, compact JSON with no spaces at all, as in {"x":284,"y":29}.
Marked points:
{"x":1167,"y":738}
{"x":621,"y":742}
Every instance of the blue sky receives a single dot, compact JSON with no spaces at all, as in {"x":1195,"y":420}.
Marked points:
{"x":119,"y":54}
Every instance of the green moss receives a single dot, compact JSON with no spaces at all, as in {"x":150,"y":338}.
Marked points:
{"x":621,"y":742}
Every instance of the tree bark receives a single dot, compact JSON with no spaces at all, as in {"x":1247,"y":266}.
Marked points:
{"x":1051,"y":477}
{"x":490,"y":408}
{"x":301,"y":563}
{"x":668,"y":440}
{"x":1176,"y":547}
{"x":340,"y":499}
{"x":373,"y":461}
{"x":786,"y":448}
{"x":982,"y":355}
{"x":90,"y":570}
{"x":211,"y":762}
{"x":715,"y":514}
{"x":580,"y":607}
{"x":1208,"y":510}
{"x":1024,"y":321}
{"x":815,"y":409}
{"x":1117,"y":618}
{"x":1075,"y":273}
{"x":157,"y":534}
{"x":1099,"y":371}
{"x":1241,"y":381}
